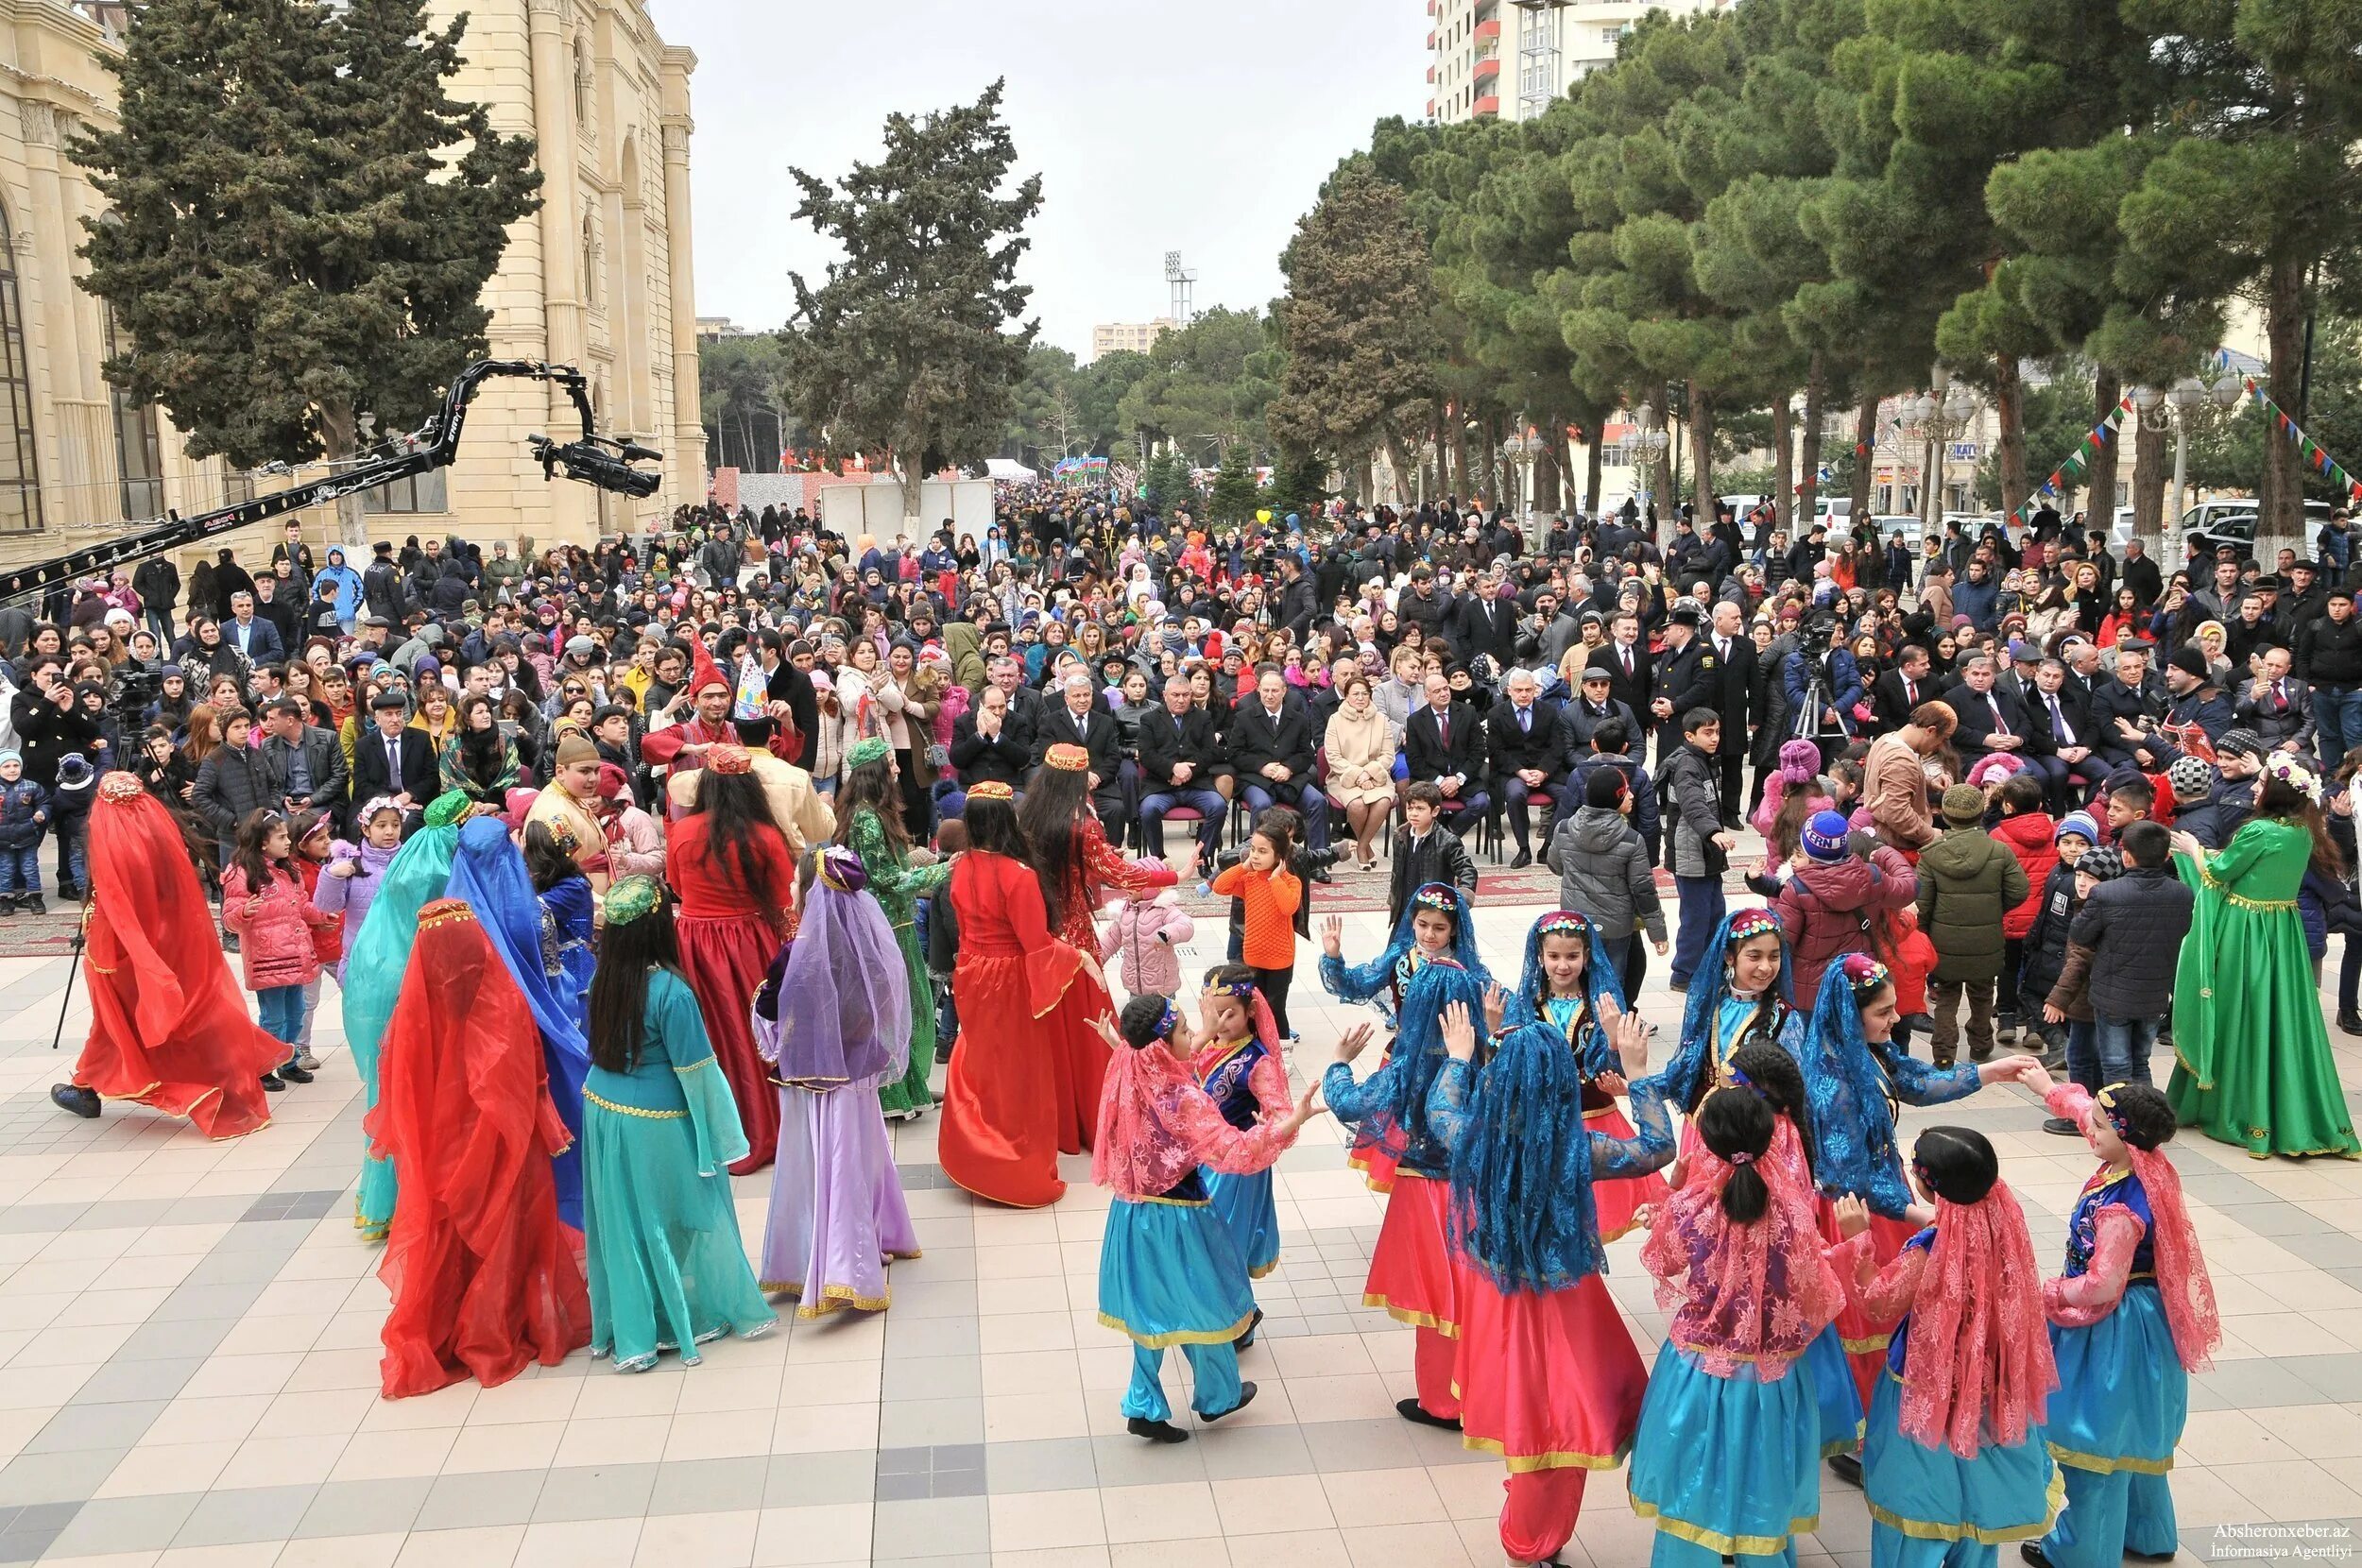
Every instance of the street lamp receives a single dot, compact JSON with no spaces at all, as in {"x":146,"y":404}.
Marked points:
{"x":2185,"y":399}
{"x":1938,"y":416}
{"x":1647,"y":444}
{"x":1521,"y":450}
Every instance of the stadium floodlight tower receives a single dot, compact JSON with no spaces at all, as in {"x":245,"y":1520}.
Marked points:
{"x":1538,"y":78}
{"x":1181,"y":279}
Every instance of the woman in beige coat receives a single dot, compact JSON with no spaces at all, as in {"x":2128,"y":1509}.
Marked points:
{"x":1362,"y":744}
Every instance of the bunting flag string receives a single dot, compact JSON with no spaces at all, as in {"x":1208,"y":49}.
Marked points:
{"x":2315,"y":458}
{"x":2078,"y":461}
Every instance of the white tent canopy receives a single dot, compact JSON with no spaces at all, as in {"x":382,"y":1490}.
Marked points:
{"x":1009,"y":470}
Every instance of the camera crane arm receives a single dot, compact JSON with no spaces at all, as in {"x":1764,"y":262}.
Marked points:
{"x":593,"y":459}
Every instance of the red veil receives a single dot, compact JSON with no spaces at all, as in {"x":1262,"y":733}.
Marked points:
{"x":168,"y":1024}
{"x":483,"y":1276}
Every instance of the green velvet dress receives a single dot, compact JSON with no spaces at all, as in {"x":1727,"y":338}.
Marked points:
{"x":2253,"y":1059}
{"x":667,"y":1269}
{"x":899,"y":886}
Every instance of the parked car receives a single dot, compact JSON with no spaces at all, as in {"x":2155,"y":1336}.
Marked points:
{"x":2212,"y":524}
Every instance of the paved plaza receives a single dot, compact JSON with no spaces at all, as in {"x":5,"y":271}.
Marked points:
{"x":188,"y":1370}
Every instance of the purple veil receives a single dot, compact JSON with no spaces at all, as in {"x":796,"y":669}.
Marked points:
{"x":835,"y":1008}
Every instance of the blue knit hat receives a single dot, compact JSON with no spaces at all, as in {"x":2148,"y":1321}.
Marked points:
{"x":2081,"y":823}
{"x":1824,"y":836}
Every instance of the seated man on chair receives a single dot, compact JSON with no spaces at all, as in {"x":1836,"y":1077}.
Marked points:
{"x":1529,"y":756}
{"x":1178,"y":754}
{"x":1269,"y":745}
{"x":1443,"y":744}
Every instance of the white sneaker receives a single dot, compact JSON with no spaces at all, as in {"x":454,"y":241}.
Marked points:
{"x":308,"y":1062}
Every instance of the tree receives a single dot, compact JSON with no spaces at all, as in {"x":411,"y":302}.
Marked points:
{"x":1206,"y":384}
{"x":1233,"y":497}
{"x":2057,"y":415}
{"x":301,"y":222}
{"x":903,"y":351}
{"x":738,"y":387}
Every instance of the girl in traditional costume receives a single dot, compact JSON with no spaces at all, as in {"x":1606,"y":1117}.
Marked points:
{"x":169,"y":1025}
{"x":568,"y":926}
{"x":374,"y":969}
{"x":869,"y":822}
{"x":667,"y":1270}
{"x":1434,"y":925}
{"x":1547,"y":1374}
{"x":832,"y":1020}
{"x":1019,"y":990}
{"x":736,"y":878}
{"x":1570,"y":984}
{"x":482,"y":1273}
{"x":2132,"y":1315}
{"x":1239,"y":1064}
{"x":1167,"y":1272}
{"x":1727,"y":1460}
{"x":1954,"y":1461}
{"x":490,"y":875}
{"x":1414,"y":1273}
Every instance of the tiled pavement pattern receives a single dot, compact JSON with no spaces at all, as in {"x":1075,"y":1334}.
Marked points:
{"x":188,"y":1373}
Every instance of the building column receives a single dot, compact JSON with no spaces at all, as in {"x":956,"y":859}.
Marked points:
{"x":572,"y":508}
{"x":76,"y":490}
{"x":685,"y":475}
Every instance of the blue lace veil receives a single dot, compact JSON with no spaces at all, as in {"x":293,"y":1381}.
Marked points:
{"x":1365,"y":979}
{"x":1853,"y":1109}
{"x":1709,"y":983}
{"x":1419,"y":1053}
{"x":1522,"y":1206}
{"x":1599,"y":982}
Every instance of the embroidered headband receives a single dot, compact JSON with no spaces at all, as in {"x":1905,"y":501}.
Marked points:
{"x":631,"y":899}
{"x":1563,"y":923}
{"x":121,"y":787}
{"x":1863,"y":973}
{"x":447,"y":809}
{"x":2106,"y":1100}
{"x":2294,"y":774}
{"x":990,"y":788}
{"x":842,"y":869}
{"x":1245,"y":987}
{"x":874,"y":749}
{"x":729,"y":759}
{"x":1437,"y":895}
{"x":1068,"y":759}
{"x":1169,"y":1022}
{"x":1754,"y":923}
{"x":563,"y":837}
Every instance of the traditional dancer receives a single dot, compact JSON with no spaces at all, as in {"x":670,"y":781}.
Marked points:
{"x":490,"y":875}
{"x":1414,"y":1274}
{"x":1018,"y":987}
{"x":483,"y":1277}
{"x":831,"y":1019}
{"x":169,"y":1028}
{"x":1168,"y":1273}
{"x":1954,"y":1461}
{"x":2130,"y":1319}
{"x":374,"y":970}
{"x":1727,"y":1459}
{"x":736,"y":878}
{"x":1570,"y":984}
{"x":1434,"y":925}
{"x":666,"y":1268}
{"x":1080,"y":871}
{"x":869,"y":822}
{"x":1548,"y":1375}
{"x":1239,"y":1064}
{"x":567,"y":906}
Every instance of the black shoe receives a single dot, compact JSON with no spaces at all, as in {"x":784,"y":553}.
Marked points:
{"x":1322,"y":876}
{"x":1156,"y":1431}
{"x":82,"y":1102}
{"x":32,"y":904}
{"x":1678,"y":988}
{"x":1846,"y":1468}
{"x":2147,"y":1557}
{"x":1244,"y":1340}
{"x":2062,"y":1128}
{"x":290,"y":1073}
{"x":230,"y":942}
{"x":1980,"y":1053}
{"x":272,"y":1083}
{"x":1411,"y":1409}
{"x":7,"y":906}
{"x":2032,"y":1553}
{"x":1247,"y":1397}
{"x":1521,"y":860}
{"x":2350,"y":1023}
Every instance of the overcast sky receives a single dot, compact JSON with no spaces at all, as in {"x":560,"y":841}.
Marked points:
{"x":1199,"y":125}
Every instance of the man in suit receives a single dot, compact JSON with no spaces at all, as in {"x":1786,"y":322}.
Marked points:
{"x":308,"y":757}
{"x":2277,"y":705}
{"x":1025,"y":703}
{"x":248,"y":633}
{"x":1734,"y":671}
{"x":1631,"y":677}
{"x":2058,"y":745}
{"x":393,"y":760}
{"x":1443,"y":745}
{"x":1270,"y":746}
{"x":1076,"y":723}
{"x":1893,"y":694}
{"x":1992,"y":720}
{"x":1591,"y":706}
{"x":1688,"y":676}
{"x":1527,"y":755}
{"x":1488,"y":620}
{"x":1178,"y":754}
{"x":989,"y":746}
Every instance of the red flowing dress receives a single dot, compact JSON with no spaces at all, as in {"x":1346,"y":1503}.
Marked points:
{"x":483,"y":1273}
{"x":1023,"y":996}
{"x":729,"y":934}
{"x":168,"y":1024}
{"x":1094,"y":872}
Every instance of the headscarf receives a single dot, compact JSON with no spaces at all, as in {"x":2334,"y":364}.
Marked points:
{"x":836,"y":1008}
{"x":1980,"y":1362}
{"x":1849,"y":1093}
{"x":379,"y":957}
{"x":1522,"y":1206}
{"x":1366,"y":978}
{"x":1600,"y":982}
{"x":1708,"y":985}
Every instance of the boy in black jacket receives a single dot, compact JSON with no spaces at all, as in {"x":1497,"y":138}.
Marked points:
{"x":1424,"y":851}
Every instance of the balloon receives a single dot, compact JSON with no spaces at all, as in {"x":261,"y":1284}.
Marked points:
{"x":1264,"y":515}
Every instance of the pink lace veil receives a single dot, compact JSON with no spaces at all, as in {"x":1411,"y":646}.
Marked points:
{"x":1743,"y":1295}
{"x":1145,"y":1146}
{"x":1980,"y":1363}
{"x":2182,"y":1277}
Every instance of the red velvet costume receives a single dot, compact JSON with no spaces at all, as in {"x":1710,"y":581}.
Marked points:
{"x":484,"y":1276}
{"x":168,"y":1024}
{"x":1094,"y":872}
{"x":728,"y":936}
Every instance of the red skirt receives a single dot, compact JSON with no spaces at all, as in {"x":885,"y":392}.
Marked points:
{"x":726,"y":960}
{"x":1414,"y":1272}
{"x":1079,"y":1064}
{"x":1865,"y":1346}
{"x":209,"y":1070}
{"x":1618,"y":1199}
{"x":1004,"y":1100}
{"x":1549,"y":1381}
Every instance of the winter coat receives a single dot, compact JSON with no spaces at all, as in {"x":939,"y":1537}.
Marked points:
{"x":2071,"y":993}
{"x":1647,"y":819}
{"x":2055,"y":909}
{"x":274,"y":928}
{"x":1967,"y":883}
{"x":1604,"y":871}
{"x":2135,"y":924}
{"x":351,"y":896}
{"x":1914,"y":961}
{"x":1690,"y":784}
{"x":23,"y":814}
{"x":232,"y":781}
{"x":2029,"y":837}
{"x":1828,"y":910}
{"x":328,"y":941}
{"x":1149,"y":933}
{"x":1441,"y":857}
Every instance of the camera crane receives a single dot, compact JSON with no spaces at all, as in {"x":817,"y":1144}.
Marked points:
{"x":605,"y":462}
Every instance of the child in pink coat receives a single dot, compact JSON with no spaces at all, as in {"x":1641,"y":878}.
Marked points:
{"x":264,"y":901}
{"x":1148,"y":931}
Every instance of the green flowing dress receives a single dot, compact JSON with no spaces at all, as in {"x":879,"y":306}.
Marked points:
{"x":899,"y":886}
{"x":660,"y":1245}
{"x":373,"y":971}
{"x":2253,"y":1059}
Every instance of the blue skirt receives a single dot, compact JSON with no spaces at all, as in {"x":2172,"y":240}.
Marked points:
{"x":1933,"y":1495}
{"x":1244,"y":1207}
{"x":1168,"y":1275}
{"x":1833,"y":1390}
{"x":1731,"y":1464}
{"x":2123,"y":1397}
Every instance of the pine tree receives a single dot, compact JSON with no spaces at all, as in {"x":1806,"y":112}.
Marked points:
{"x":302,"y":221}
{"x":1233,"y":496}
{"x":903,"y":348}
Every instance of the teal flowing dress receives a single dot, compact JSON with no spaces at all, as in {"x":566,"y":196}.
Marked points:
{"x":667,"y":1269}
{"x":373,"y":971}
{"x":899,"y":886}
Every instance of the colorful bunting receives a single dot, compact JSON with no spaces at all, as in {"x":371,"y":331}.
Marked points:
{"x":2078,"y":460}
{"x":2318,"y":460}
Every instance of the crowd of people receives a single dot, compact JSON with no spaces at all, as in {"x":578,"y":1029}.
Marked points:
{"x":718,"y":840}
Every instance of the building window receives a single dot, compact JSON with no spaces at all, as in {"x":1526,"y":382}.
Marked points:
{"x":139,"y":453}
{"x":19,"y":470}
{"x":419,"y":493}
{"x":589,"y":264}
{"x":237,"y":486}
{"x":1611,"y":35}
{"x":582,"y":85}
